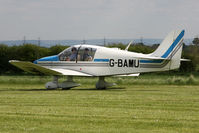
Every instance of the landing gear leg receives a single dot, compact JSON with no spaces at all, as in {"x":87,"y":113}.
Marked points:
{"x":68,"y":84}
{"x":102,"y":84}
{"x":53,"y":84}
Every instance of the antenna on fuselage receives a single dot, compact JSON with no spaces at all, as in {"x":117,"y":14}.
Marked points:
{"x":127,"y":47}
{"x":24,"y":40}
{"x":84,"y":41}
{"x":39,"y":42}
{"x":141,"y":39}
{"x":104,"y":41}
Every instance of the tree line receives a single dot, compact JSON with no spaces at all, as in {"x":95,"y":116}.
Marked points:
{"x":25,"y":52}
{"x":31,"y":52}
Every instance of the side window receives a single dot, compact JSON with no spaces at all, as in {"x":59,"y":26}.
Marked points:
{"x":86,"y":54}
{"x":70,"y":54}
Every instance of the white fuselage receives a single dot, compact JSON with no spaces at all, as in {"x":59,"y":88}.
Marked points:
{"x":110,"y":61}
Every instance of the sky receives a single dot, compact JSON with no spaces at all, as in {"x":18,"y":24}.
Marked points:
{"x":96,"y":19}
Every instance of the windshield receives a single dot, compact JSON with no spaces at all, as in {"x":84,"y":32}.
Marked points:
{"x":69,"y":54}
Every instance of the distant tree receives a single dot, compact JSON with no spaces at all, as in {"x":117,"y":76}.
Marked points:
{"x":141,"y":48}
{"x":28,"y":52}
{"x":196,"y":41}
{"x":140,"y":43}
{"x":118,"y":45}
{"x":191,"y":52}
{"x":4,"y":53}
{"x":57,"y":49}
{"x":138,"y":47}
{"x":155,"y":46}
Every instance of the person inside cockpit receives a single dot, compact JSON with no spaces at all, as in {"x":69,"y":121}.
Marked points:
{"x":73,"y":56}
{"x":86,"y":56}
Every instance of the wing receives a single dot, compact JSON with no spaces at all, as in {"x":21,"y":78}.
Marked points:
{"x":36,"y":69}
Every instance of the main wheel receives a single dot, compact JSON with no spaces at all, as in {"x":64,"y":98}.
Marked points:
{"x":51,"y":85}
{"x":66,"y":88}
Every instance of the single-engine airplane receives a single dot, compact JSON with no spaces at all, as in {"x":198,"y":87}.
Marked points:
{"x":98,"y":61}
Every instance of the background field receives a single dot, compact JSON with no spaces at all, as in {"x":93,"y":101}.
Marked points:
{"x":149,"y":103}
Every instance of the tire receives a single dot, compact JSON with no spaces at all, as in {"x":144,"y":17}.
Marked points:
{"x":66,"y":88}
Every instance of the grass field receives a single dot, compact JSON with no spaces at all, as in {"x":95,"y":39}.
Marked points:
{"x":150,"y":103}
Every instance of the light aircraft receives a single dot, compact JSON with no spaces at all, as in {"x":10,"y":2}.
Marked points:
{"x":98,"y":61}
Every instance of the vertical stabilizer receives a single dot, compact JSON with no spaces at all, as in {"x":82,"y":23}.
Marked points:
{"x":171,"y":49}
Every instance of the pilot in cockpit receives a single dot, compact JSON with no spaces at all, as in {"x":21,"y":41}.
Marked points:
{"x":73,"y":56}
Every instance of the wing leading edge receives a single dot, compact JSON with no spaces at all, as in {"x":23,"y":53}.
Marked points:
{"x":36,"y":69}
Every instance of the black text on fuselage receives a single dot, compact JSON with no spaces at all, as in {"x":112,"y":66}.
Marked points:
{"x":124,"y":63}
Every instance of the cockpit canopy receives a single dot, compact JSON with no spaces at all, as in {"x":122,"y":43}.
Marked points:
{"x":77,"y":53}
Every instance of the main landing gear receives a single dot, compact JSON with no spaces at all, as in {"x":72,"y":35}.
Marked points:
{"x":69,"y":83}
{"x":66,"y":85}
{"x":102,"y":84}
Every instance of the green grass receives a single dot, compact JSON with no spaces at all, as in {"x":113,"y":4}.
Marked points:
{"x":149,"y":103}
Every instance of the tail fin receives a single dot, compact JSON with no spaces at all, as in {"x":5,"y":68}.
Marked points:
{"x":171,"y":49}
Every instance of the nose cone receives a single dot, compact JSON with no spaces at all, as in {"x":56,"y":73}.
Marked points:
{"x":48,"y":58}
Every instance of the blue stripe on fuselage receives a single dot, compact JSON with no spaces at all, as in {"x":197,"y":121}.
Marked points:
{"x":48,"y":58}
{"x":101,"y":60}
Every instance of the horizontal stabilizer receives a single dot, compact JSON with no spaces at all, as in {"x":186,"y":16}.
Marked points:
{"x":185,"y":60}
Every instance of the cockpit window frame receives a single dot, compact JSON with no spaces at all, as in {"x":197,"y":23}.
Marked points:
{"x":78,"y":52}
